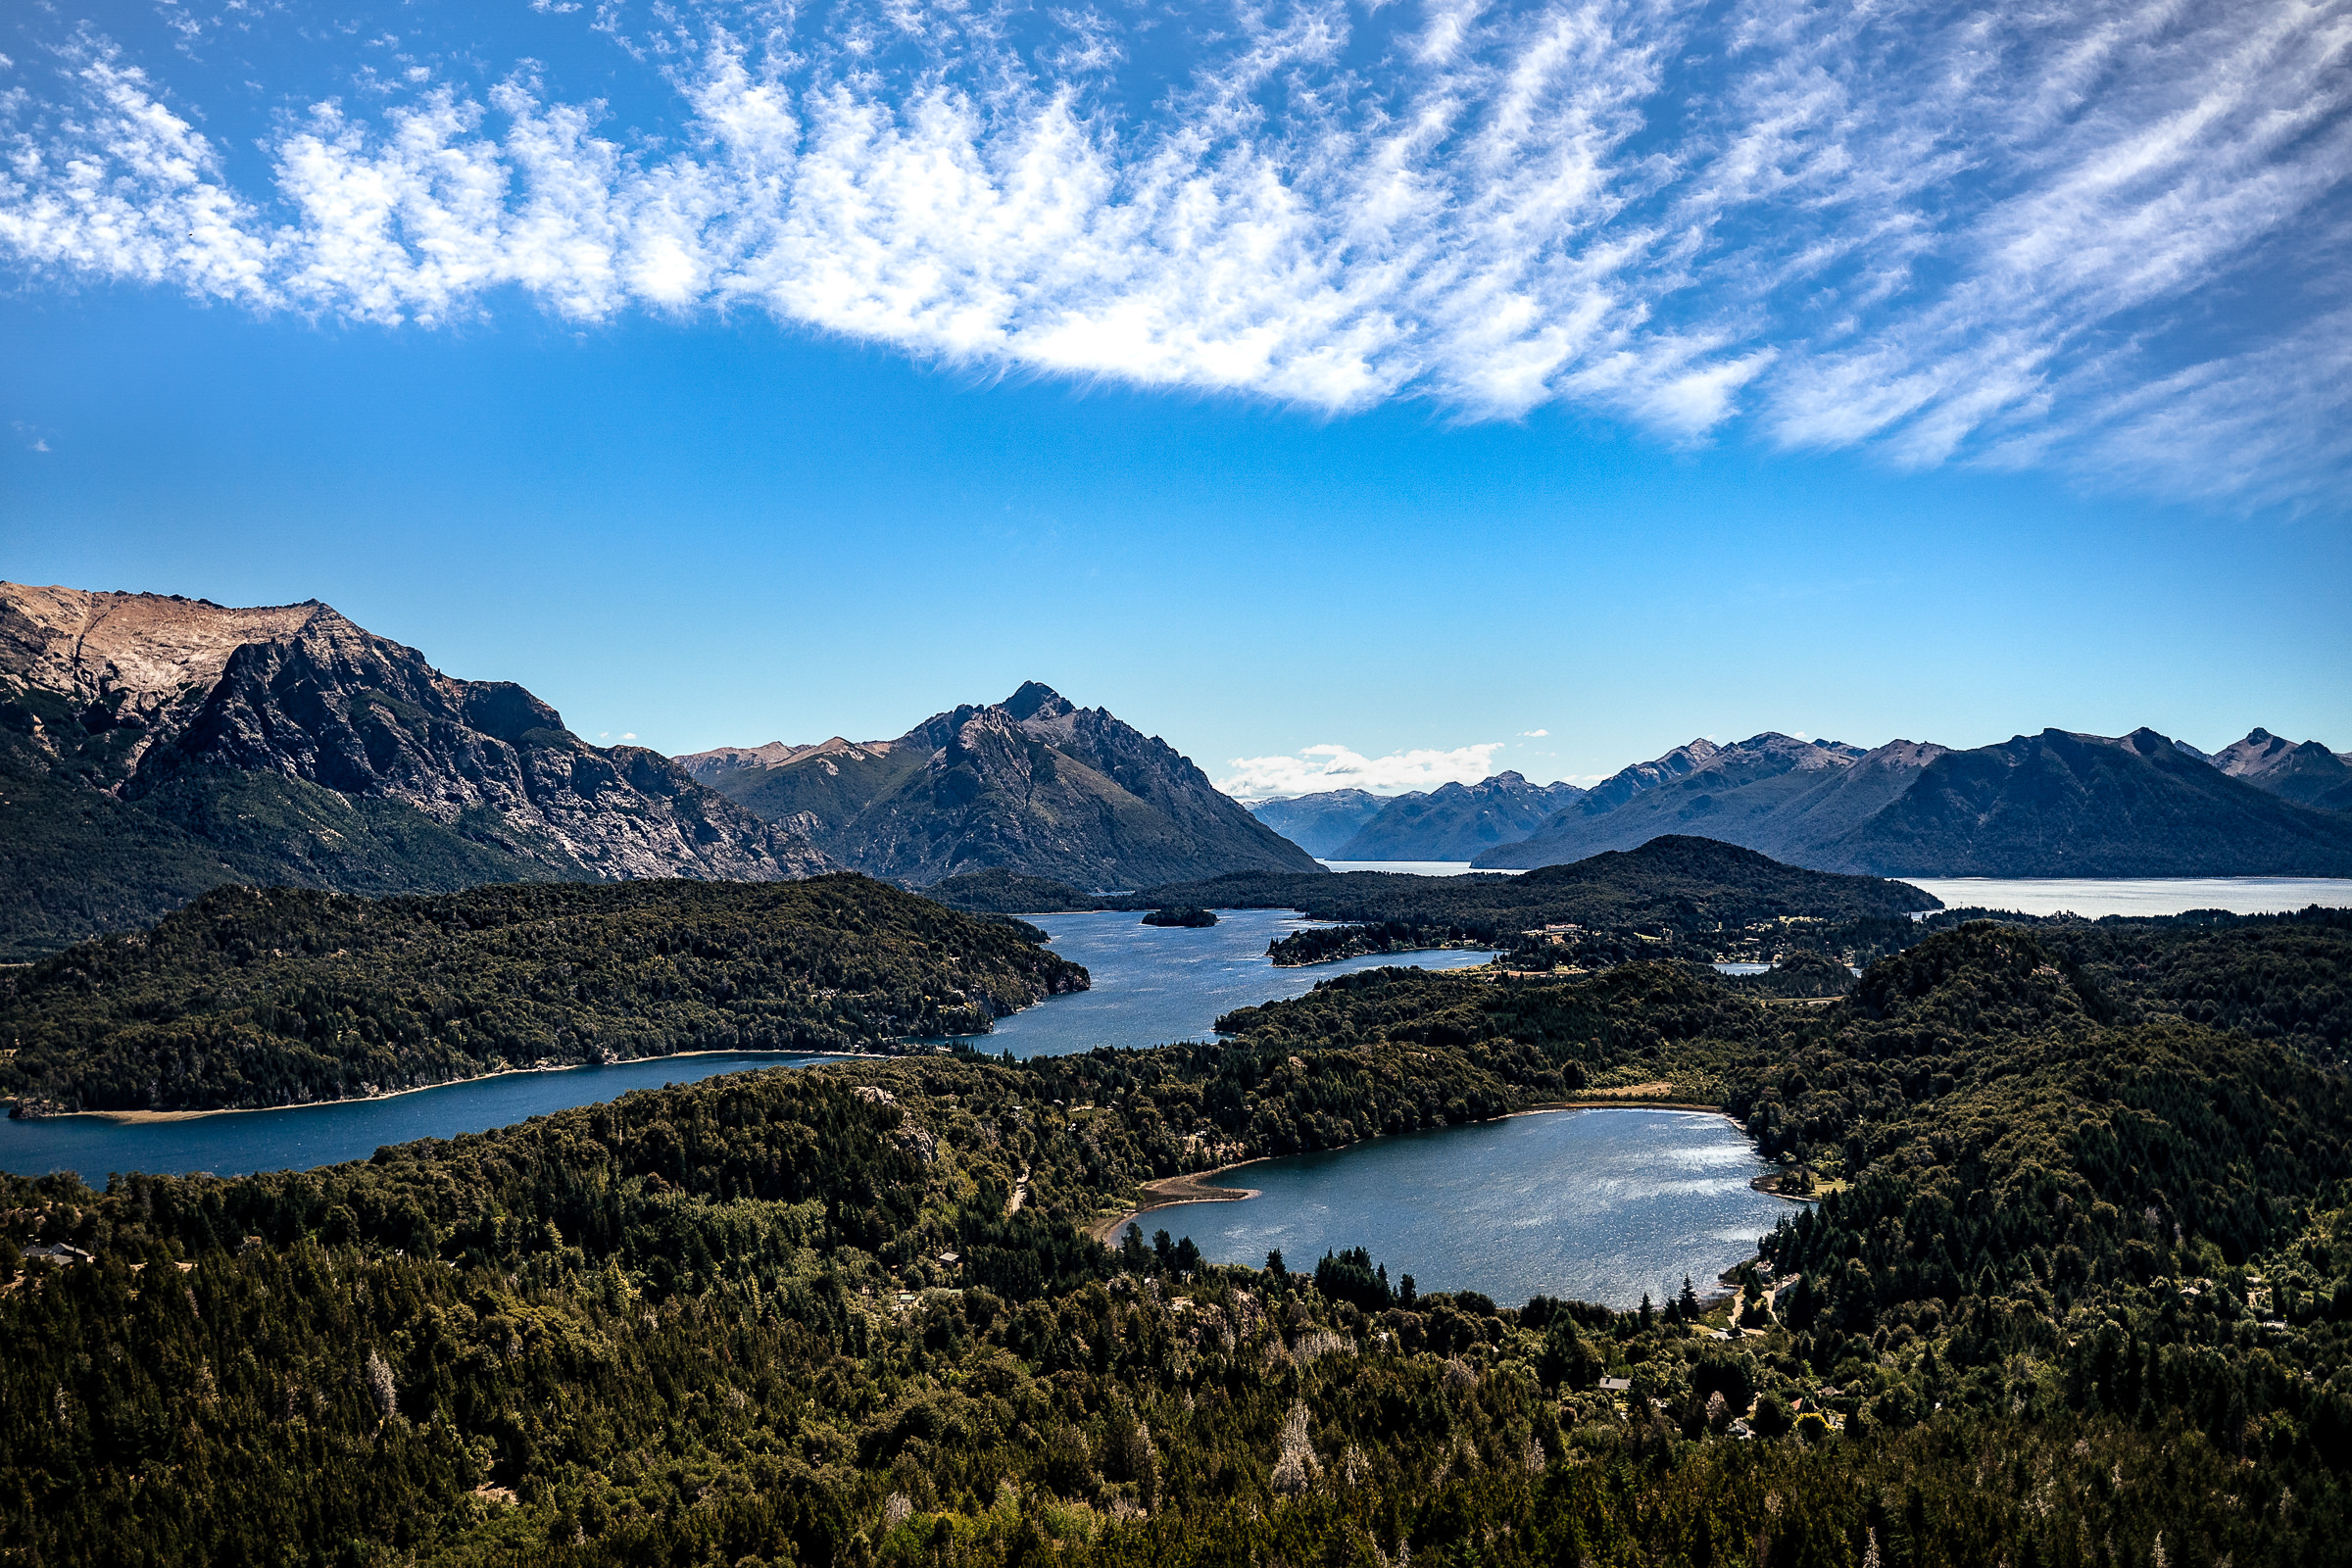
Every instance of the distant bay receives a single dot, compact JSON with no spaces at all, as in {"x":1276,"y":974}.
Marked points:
{"x":1595,"y":1206}
{"x":1157,"y":984}
{"x":2096,"y":897}
{"x":2088,"y":897}
{"x":1414,"y":867}
{"x":231,"y":1143}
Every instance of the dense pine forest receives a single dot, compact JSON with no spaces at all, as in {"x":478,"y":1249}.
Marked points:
{"x":285,"y":996}
{"x":2077,"y":1291}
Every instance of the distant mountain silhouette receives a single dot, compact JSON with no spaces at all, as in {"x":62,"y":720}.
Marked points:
{"x":2309,"y":774}
{"x":1320,"y":823}
{"x":1033,"y":785}
{"x":1730,"y":793}
{"x":2056,"y":804}
{"x":1457,"y":822}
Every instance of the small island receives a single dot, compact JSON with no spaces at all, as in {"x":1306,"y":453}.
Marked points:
{"x":1183,"y":917}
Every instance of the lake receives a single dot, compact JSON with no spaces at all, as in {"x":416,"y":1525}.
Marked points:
{"x":1414,"y":867}
{"x":1153,"y":985}
{"x":1593,"y":1206}
{"x":1157,"y":984}
{"x":2094,"y":897}
{"x":299,"y":1137}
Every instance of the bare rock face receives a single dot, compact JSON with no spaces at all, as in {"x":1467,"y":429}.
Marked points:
{"x":708,"y":767}
{"x":287,"y":744}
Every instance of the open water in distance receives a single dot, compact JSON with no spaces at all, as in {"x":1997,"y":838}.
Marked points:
{"x":1593,"y":1206}
{"x":2094,"y":897}
{"x":1414,"y":867}
{"x":1159,"y":984}
{"x":299,"y":1137}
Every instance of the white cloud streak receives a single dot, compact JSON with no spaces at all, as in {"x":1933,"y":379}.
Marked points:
{"x":2000,"y":237}
{"x":1335,"y":768}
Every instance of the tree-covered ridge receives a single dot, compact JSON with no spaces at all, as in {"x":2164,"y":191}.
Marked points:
{"x":285,"y":996}
{"x":1328,"y":944}
{"x":997,"y":891}
{"x":720,"y":1322}
{"x":1802,"y":973}
{"x":2276,"y":978}
{"x":1695,"y":888}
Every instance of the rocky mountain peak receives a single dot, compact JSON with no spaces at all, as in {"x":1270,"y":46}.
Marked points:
{"x":288,"y":745}
{"x":1036,"y":699}
{"x":150,"y":647}
{"x":1035,"y":784}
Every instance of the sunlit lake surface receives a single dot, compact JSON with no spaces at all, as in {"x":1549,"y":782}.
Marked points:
{"x":2094,"y":897}
{"x":1597,"y":1205}
{"x":1414,"y":867}
{"x":297,"y":1137}
{"x":1157,"y":984}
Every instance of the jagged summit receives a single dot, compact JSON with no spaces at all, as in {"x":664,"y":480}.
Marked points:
{"x":2309,"y":774}
{"x":1036,"y":699}
{"x":1033,"y":784}
{"x":154,"y":745}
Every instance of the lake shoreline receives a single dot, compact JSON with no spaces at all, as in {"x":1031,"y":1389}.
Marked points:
{"x":1170,"y":1192}
{"x":1192,"y":1187}
{"x":140,"y":1118}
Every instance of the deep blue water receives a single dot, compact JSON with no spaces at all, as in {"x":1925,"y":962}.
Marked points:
{"x":1157,"y":984}
{"x":300,"y":1137}
{"x":1593,"y":1206}
{"x":1151,"y":986}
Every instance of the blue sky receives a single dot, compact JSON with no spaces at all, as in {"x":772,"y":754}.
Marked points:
{"x":1400,"y":379}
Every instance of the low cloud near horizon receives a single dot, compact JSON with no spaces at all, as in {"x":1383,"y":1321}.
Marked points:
{"x":2101,"y":238}
{"x":1335,"y":767}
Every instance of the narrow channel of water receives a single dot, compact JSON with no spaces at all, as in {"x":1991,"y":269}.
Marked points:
{"x":300,"y":1137}
{"x":1157,"y":984}
{"x":1595,"y":1206}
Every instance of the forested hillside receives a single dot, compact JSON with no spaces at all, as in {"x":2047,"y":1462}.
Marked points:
{"x":285,"y":996}
{"x":1694,"y":888}
{"x":2080,"y":1293}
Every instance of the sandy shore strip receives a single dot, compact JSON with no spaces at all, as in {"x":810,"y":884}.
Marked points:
{"x":132,"y":1117}
{"x":1169,"y":1190}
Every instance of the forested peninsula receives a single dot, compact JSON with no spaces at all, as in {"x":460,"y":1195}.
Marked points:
{"x":2078,"y":1291}
{"x":286,"y":995}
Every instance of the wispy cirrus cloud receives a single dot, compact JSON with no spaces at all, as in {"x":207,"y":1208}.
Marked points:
{"x":2083,"y":237}
{"x":1335,"y":768}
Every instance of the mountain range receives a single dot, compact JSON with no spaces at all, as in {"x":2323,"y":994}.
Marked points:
{"x":1033,"y":784}
{"x":2052,"y":805}
{"x":2309,"y":774}
{"x":154,"y":746}
{"x":1321,"y":822}
{"x":1452,"y":822}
